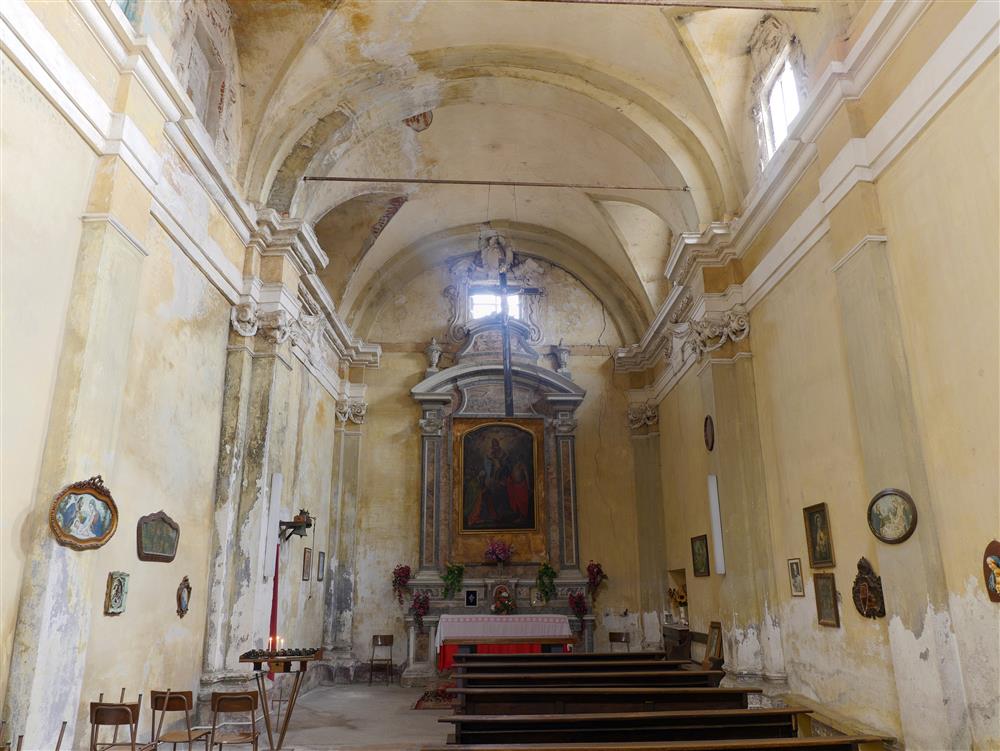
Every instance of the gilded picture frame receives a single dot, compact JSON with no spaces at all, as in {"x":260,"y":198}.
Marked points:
{"x":157,"y":537}
{"x":493,"y":458}
{"x":83,"y":515}
{"x":819,"y":536}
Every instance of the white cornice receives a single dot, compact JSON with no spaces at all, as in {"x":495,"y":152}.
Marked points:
{"x":970,"y":44}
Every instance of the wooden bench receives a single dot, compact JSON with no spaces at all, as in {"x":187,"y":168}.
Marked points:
{"x":563,"y":665}
{"x":465,"y":657}
{"x":824,"y":743}
{"x":711,"y":724}
{"x":580,"y":699}
{"x":475,"y":679}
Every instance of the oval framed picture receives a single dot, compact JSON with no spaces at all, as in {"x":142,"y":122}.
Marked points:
{"x":84,"y":515}
{"x":709,"y":432}
{"x":892,"y":516}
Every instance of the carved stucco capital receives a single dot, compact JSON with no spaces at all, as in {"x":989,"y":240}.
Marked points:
{"x":352,"y":410}
{"x":432,"y":423}
{"x":564,"y":422}
{"x":642,"y":415}
{"x":708,"y":335}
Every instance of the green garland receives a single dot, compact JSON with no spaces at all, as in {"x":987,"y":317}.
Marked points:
{"x":546,"y":582}
{"x":452,"y":578}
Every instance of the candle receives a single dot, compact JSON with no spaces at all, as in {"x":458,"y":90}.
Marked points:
{"x":269,"y":640}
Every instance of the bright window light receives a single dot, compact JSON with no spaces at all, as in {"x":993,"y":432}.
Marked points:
{"x":482,"y":304}
{"x":782,"y":105}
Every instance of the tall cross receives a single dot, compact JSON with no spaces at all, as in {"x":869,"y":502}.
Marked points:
{"x":508,"y":376}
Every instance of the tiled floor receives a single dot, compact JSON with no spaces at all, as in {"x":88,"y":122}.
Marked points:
{"x":357,"y":716}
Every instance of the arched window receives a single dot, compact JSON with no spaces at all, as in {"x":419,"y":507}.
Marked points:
{"x":777,"y":90}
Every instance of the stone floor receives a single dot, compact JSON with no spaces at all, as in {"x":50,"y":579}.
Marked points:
{"x":345,"y":717}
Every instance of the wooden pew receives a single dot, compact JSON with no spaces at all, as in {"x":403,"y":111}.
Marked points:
{"x":580,"y":699}
{"x":559,"y":666}
{"x":700,"y":724}
{"x":466,"y":657}
{"x":476,"y":679}
{"x":824,"y":743}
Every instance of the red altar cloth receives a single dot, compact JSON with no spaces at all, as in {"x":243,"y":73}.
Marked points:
{"x":446,"y":657}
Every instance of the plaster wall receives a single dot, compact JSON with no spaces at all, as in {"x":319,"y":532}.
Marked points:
{"x":34,"y":306}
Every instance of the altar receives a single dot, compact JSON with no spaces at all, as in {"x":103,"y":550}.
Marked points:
{"x":500,"y":634}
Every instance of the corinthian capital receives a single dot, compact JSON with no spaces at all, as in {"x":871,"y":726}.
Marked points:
{"x":709,"y":335}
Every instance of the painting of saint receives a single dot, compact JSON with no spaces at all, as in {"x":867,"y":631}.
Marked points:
{"x":699,"y":555}
{"x":819,"y":536}
{"x":827,"y":612}
{"x":795,"y":577}
{"x":83,"y":516}
{"x":892,"y":516}
{"x":498,"y":478}
{"x":991,"y":570}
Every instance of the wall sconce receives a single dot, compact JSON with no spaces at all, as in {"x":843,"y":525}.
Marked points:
{"x":297,"y":526}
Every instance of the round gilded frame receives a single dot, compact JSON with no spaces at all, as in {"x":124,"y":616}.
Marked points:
{"x":905,"y":497}
{"x":93,"y":488}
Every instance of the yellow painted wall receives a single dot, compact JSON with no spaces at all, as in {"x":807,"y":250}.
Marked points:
{"x":39,"y":229}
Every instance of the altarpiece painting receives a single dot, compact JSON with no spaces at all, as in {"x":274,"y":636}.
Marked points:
{"x":497,"y":467}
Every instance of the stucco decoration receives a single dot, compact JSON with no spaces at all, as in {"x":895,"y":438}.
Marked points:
{"x":708,"y":335}
{"x":433,"y":353}
{"x":642,"y":415}
{"x":867,"y":591}
{"x":482,"y":270}
{"x":352,"y":410}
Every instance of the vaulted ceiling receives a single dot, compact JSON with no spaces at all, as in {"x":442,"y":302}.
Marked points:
{"x":515,"y":91}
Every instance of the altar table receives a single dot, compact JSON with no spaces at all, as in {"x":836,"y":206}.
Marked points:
{"x":499,"y":634}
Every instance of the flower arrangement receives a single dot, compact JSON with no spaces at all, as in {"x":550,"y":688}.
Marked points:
{"x":452,"y":578}
{"x":420,"y":607}
{"x":578,"y":604}
{"x":503,"y":603}
{"x":679,"y":596}
{"x":400,"y":581}
{"x":499,"y":551}
{"x":546,"y":582}
{"x":595,"y":577}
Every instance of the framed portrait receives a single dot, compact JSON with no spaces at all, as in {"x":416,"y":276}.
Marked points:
{"x":320,"y":566}
{"x":116,"y":593}
{"x":991,"y":570}
{"x":156,"y":537}
{"x":892,"y":516}
{"x":713,"y":645}
{"x":183,"y":597}
{"x":709,"y":432}
{"x":83,"y":516}
{"x":819,"y":538}
{"x":472,"y":598}
{"x":795,"y":580}
{"x":307,"y":564}
{"x":498,"y":480}
{"x":827,"y":612}
{"x":699,"y":555}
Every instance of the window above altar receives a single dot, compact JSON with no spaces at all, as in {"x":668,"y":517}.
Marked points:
{"x":485,"y":302}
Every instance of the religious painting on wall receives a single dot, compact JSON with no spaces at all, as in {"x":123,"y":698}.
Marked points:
{"x":183,"y":597}
{"x":827,"y":612}
{"x":157,"y":536}
{"x":307,"y":563}
{"x":991,"y":570}
{"x":699,"y":555}
{"x":713,"y":646}
{"x":795,"y":577}
{"x":497,"y":474}
{"x":83,"y":515}
{"x":819,"y":539}
{"x":892,"y":516}
{"x":321,"y":566}
{"x":116,"y":594}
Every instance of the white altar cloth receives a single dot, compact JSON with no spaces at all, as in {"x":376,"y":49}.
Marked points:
{"x":487,"y":627}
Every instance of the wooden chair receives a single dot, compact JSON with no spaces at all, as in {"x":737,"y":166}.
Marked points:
{"x":620,"y":637}
{"x":174,"y":701}
{"x":115,"y":715}
{"x":381,"y":641}
{"x":239,"y":702}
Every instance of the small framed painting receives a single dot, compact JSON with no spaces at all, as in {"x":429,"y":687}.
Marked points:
{"x":713,"y":646}
{"x":827,"y":612}
{"x":307,"y":564}
{"x":795,"y":580}
{"x":819,"y":539}
{"x":83,"y":516}
{"x":183,"y":597}
{"x":320,"y":566}
{"x":699,"y":555}
{"x":892,"y":516}
{"x":472,"y":598}
{"x":709,"y":432}
{"x":116,"y":594}
{"x":157,"y":536}
{"x":991,"y":570}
